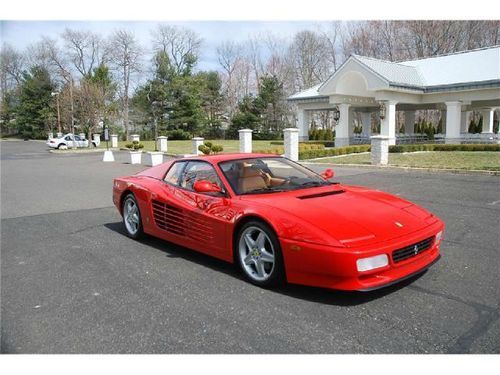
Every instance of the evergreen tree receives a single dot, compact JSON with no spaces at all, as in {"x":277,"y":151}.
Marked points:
{"x":35,"y":110}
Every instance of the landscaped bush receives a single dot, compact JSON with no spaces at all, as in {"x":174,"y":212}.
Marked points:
{"x":134,"y":146}
{"x":438,"y":147}
{"x":178,"y":135}
{"x":209,"y":148}
{"x":325,"y":152}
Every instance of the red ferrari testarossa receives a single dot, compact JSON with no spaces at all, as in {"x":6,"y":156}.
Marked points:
{"x":279,"y":221}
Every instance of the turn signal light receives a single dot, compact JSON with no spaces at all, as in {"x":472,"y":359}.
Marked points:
{"x":367,"y":264}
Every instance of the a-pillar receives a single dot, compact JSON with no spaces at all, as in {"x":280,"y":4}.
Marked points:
{"x":453,"y":119}
{"x":409,"y":122}
{"x":366,"y":119}
{"x":342,"y":128}
{"x":303,"y":121}
{"x":488,"y":115}
{"x":388,"y":125}
{"x":291,"y":136}
{"x":245,"y":140}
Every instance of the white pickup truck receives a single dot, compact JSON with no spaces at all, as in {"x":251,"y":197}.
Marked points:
{"x":70,"y":141}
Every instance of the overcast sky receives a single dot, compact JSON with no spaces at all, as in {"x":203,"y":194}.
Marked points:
{"x":22,"y":33}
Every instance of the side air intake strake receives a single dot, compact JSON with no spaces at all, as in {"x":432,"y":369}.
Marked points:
{"x":335,"y":192}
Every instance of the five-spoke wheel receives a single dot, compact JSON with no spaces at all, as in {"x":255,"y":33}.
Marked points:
{"x":259,"y":254}
{"x":132,"y":217}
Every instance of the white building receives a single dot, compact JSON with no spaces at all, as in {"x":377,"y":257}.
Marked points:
{"x":456,"y":83}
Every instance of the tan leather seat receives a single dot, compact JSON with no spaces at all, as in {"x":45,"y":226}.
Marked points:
{"x":250,"y":179}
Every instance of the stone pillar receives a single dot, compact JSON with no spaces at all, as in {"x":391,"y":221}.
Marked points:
{"x":366,"y":118}
{"x":388,"y":124}
{"x":59,"y":135}
{"x":303,"y":121}
{"x":453,"y":118}
{"x":488,"y":115}
{"x":291,"y":143}
{"x":464,"y":126}
{"x":342,"y":128}
{"x":82,"y":135}
{"x":108,"y":156}
{"x":197,"y":142}
{"x":409,"y":122}
{"x":50,"y":135}
{"x":114,"y":140}
{"x":380,"y":149}
{"x":135,"y":137}
{"x":246,"y":140}
{"x":156,"y":157}
{"x":161,"y":143}
{"x":444,"y":114}
{"x":97,"y":139}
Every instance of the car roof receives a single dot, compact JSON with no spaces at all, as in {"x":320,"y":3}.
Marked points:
{"x":217,"y":158}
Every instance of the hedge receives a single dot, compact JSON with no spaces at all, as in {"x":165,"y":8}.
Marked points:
{"x":311,"y":154}
{"x":441,"y":147}
{"x":324,"y":143}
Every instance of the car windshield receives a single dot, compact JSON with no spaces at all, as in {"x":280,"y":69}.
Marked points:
{"x":268,"y":175}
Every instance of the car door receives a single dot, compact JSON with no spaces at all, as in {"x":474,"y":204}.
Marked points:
{"x":198,"y":220}
{"x":69,"y":141}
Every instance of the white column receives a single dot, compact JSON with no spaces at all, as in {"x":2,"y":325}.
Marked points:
{"x":197,"y":142}
{"x":303,"y":121}
{"x":488,"y":115}
{"x":59,"y":135}
{"x":366,"y":118}
{"x":135,"y":137}
{"x":82,"y":135}
{"x":156,"y":157}
{"x":161,"y":143}
{"x":453,"y":118}
{"x":291,"y":136}
{"x":342,"y":128}
{"x":246,"y":140}
{"x":388,"y":124}
{"x":50,"y":135}
{"x":409,"y":122}
{"x":97,"y":139}
{"x":444,"y":115}
{"x":380,"y":149}
{"x":464,"y":126}
{"x":114,"y":140}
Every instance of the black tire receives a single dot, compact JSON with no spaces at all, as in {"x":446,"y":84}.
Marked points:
{"x":139,"y":233}
{"x":59,"y":145}
{"x":277,"y":275}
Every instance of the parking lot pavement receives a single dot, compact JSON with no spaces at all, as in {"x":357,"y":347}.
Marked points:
{"x":72,"y":282}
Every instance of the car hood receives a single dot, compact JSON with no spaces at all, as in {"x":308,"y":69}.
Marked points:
{"x":354,"y":216}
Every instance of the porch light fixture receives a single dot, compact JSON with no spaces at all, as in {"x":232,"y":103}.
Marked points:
{"x":336,"y":113}
{"x":382,"y":110}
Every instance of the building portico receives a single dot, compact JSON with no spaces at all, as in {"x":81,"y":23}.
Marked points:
{"x":364,"y":88}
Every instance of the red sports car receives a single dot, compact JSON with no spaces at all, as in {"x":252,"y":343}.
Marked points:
{"x":279,"y":221}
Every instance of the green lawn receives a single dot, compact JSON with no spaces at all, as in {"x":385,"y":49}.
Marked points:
{"x":477,"y":160}
{"x":185,"y":147}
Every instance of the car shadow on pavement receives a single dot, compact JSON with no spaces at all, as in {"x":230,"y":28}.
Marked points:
{"x":308,"y":293}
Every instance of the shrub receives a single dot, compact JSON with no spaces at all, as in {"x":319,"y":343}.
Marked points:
{"x":208,"y":148}
{"x":440,"y":147}
{"x":178,"y":135}
{"x":134,"y":146}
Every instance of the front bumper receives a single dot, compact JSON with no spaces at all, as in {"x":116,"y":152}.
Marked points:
{"x":335,"y":268}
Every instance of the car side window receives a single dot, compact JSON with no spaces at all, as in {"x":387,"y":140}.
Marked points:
{"x":67,"y":138}
{"x":77,"y":138}
{"x":173,"y":174}
{"x":197,"y":170}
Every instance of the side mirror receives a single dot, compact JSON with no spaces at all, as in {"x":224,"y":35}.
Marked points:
{"x":327,"y":174}
{"x":205,"y":186}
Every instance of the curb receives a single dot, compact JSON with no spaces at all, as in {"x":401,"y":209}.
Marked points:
{"x":430,"y":170}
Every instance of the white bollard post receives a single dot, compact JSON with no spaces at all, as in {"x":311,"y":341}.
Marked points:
{"x":156,"y":157}
{"x":197,"y":141}
{"x":245,"y":140}
{"x":135,"y":137}
{"x":114,"y":140}
{"x":161,"y":143}
{"x":380,"y":149}
{"x":291,"y":143}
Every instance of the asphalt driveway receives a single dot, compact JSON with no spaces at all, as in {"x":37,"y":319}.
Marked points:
{"x":72,"y":282}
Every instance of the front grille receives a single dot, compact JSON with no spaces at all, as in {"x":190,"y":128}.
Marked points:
{"x":412,"y":250}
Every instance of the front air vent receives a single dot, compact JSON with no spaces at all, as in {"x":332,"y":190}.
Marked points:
{"x":412,"y":250}
{"x":335,"y":192}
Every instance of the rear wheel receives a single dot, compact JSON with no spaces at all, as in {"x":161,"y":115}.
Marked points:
{"x":259,"y":254}
{"x":62,"y":146}
{"x":132,"y":217}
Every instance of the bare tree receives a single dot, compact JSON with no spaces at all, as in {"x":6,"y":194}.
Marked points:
{"x":125,"y":53}
{"x":332,"y":37}
{"x":182,"y":45}
{"x":12,"y":64}
{"x":84,"y":50}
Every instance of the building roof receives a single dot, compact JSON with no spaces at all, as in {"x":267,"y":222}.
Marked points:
{"x":478,"y":67}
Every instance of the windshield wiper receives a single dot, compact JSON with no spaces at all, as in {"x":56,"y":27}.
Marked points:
{"x":263,"y":190}
{"x":317,"y":183}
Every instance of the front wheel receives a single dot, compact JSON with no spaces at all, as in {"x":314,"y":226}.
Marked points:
{"x":132,"y":217}
{"x":259,"y":254}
